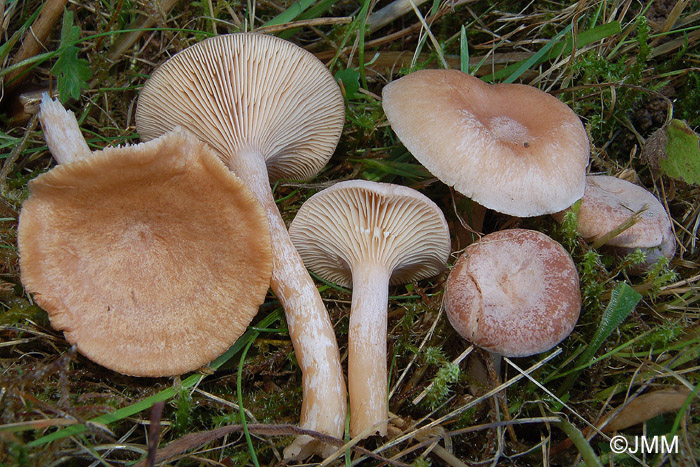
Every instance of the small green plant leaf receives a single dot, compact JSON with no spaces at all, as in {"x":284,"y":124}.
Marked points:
{"x":463,"y":51}
{"x":71,"y":72}
{"x":351,"y":81}
{"x":622,"y":301}
{"x":682,"y":159}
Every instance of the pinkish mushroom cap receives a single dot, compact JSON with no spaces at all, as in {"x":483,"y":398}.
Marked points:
{"x":610,"y":201}
{"x":509,"y":147}
{"x":514,"y":293}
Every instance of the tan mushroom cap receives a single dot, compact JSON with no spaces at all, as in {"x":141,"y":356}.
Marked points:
{"x":248,"y":91}
{"x":514,"y":293}
{"x":610,"y":201}
{"x":359,"y":221}
{"x":509,"y":147}
{"x":152,"y":259}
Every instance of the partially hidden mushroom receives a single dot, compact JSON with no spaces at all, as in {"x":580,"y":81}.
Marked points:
{"x":152,"y":258}
{"x":509,"y":147}
{"x":610,"y":202}
{"x":271,"y":110}
{"x":514,"y":293}
{"x":368,"y":235}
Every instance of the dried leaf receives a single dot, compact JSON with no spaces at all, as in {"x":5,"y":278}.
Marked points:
{"x":674,"y":150}
{"x":646,"y":407}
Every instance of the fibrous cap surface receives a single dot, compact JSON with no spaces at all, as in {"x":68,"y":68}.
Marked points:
{"x":152,"y":258}
{"x":515,"y":293}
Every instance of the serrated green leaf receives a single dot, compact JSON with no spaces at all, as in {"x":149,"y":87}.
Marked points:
{"x":72,"y":73}
{"x":682,"y":159}
{"x":622,"y":301}
{"x":351,"y":81}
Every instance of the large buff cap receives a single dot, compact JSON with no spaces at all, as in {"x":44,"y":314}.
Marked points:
{"x":509,"y":147}
{"x":515,"y":293}
{"x":244,"y":91}
{"x":151,"y":258}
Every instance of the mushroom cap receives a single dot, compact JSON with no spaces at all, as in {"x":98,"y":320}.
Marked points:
{"x":242,"y":91}
{"x":152,"y":258}
{"x":509,"y":147}
{"x":514,"y":293}
{"x":359,"y":221}
{"x":610,"y":201}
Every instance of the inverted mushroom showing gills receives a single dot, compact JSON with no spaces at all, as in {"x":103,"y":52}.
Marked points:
{"x":609,"y":202}
{"x":271,"y":108}
{"x":368,"y":235}
{"x":514,"y":293}
{"x":152,"y":259}
{"x":509,"y":147}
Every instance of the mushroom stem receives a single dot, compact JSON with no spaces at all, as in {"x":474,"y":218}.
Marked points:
{"x":61,"y":131}
{"x":324,"y":403}
{"x":367,"y":367}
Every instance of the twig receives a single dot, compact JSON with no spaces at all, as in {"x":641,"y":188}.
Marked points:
{"x":34,"y":38}
{"x":194,"y":440}
{"x":304,"y":23}
{"x":389,"y":13}
{"x":127,"y":40}
{"x":154,"y":432}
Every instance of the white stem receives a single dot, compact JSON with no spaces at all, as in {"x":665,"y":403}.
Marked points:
{"x":61,"y":131}
{"x":367,"y":367}
{"x":324,"y":402}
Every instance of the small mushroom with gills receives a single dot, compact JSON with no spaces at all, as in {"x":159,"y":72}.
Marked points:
{"x":509,"y":147}
{"x":514,"y":293}
{"x":608,"y":203}
{"x":369,"y":235}
{"x":152,"y":259}
{"x":271,"y":110}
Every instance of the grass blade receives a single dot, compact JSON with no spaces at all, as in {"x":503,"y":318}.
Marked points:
{"x":556,"y":48}
{"x":291,"y":13}
{"x":463,"y":51}
{"x":535,"y":59}
{"x":164,"y":395}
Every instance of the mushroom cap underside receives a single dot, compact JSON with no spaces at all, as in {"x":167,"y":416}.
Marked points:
{"x":244,"y":91}
{"x":357,"y":221}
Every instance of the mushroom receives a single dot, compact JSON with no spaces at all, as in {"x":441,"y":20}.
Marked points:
{"x":609,"y":202}
{"x":514,"y":293}
{"x":369,"y":235}
{"x":508,"y":147}
{"x":271,"y":108}
{"x":131,"y":252}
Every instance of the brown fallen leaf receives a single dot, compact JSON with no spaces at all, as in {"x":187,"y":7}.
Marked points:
{"x":645,"y":407}
{"x":638,"y":410}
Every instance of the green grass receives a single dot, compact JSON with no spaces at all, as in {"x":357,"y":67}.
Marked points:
{"x":616,"y":64}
